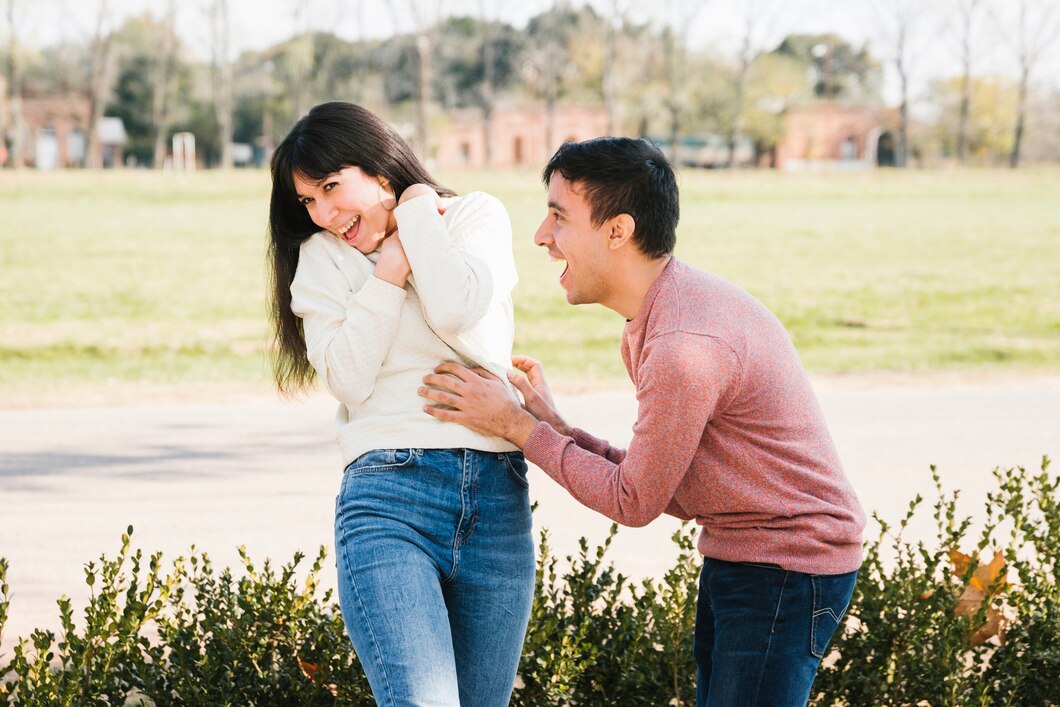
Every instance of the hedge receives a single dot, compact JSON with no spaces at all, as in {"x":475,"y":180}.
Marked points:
{"x":963,"y":620}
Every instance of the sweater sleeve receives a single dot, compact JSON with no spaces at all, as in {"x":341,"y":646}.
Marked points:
{"x":347,"y":334}
{"x":682,"y":377}
{"x":598,"y":446}
{"x":459,"y":269}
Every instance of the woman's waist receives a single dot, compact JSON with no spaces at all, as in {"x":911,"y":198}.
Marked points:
{"x":359,"y":433}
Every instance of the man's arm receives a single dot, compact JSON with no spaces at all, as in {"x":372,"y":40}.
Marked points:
{"x":682,"y":377}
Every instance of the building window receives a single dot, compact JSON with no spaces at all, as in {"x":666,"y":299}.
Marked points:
{"x":848,"y":150}
{"x":75,"y":148}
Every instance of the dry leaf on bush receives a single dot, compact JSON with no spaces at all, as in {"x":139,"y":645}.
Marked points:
{"x":985,"y":582}
{"x":310,"y":671}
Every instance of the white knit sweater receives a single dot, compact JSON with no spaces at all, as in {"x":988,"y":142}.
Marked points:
{"x":372,"y":342}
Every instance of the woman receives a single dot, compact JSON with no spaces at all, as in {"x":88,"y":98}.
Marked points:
{"x":379,"y":274}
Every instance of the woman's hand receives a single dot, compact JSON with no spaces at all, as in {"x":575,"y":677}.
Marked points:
{"x":422,"y":190}
{"x":537,"y":396}
{"x":393,"y":264}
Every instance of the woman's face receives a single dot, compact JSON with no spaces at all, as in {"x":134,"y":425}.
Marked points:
{"x":357,"y":208}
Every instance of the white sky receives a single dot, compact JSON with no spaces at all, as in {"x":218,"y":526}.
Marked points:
{"x":257,"y":24}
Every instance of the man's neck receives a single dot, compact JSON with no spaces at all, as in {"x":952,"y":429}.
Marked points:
{"x":633,"y":280}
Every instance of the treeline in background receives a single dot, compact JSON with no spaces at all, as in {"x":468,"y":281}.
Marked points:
{"x":638,"y":63}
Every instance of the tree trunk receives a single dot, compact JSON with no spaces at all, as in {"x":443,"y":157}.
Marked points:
{"x":673,"y":102}
{"x":13,"y":95}
{"x":962,"y":119}
{"x":610,"y":59}
{"x":222,"y":79}
{"x":901,"y":148}
{"x":99,"y":89}
{"x":489,"y":58}
{"x":423,"y":48}
{"x":160,"y":93}
{"x":1021,"y":114}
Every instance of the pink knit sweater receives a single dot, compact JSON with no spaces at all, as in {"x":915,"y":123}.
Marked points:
{"x":728,"y":432}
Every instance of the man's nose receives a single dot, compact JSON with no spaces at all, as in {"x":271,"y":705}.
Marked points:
{"x":543,"y":237}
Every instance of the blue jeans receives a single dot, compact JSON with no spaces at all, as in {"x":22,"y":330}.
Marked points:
{"x":436,"y":573}
{"x":761,"y":632}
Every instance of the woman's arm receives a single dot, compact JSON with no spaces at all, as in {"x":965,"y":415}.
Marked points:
{"x":348,"y":334}
{"x":459,"y":270}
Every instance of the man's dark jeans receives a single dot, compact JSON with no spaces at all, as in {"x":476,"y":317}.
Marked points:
{"x":761,"y":632}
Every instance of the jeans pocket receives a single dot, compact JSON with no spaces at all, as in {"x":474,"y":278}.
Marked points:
{"x":515,"y":462}
{"x":831,"y":597}
{"x":381,"y":460}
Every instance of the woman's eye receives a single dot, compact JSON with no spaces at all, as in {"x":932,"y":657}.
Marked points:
{"x":330,"y":185}
{"x":305,"y":200}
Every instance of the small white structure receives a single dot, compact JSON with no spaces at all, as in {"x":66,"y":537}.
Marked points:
{"x":184,"y":152}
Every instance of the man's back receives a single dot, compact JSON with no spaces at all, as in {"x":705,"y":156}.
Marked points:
{"x":764,"y":481}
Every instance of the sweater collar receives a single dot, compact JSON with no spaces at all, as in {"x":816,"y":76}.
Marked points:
{"x":638,"y":322}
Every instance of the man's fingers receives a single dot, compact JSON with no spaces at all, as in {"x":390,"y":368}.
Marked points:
{"x":442,"y":380}
{"x":525,"y":363}
{"x":455,"y":369}
{"x":522,"y":385}
{"x":440,"y":396}
{"x":441,"y":413}
{"x":483,"y":373}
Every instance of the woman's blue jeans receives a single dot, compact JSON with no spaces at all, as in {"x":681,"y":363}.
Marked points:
{"x":436,"y":573}
{"x":761,"y":632}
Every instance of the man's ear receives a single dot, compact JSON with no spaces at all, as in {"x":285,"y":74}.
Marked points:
{"x":622,"y":227}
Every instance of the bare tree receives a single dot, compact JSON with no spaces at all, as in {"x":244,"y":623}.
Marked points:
{"x":491,"y":22}
{"x":678,"y":18}
{"x":965,"y":26}
{"x":165,"y":66}
{"x":100,"y":82}
{"x":757,"y":20}
{"x":423,"y":17}
{"x":898,"y":22}
{"x":616,"y":25}
{"x":221,"y":75}
{"x":1037,"y":27}
{"x":11,"y":95}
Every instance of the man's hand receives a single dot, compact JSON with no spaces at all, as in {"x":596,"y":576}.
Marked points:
{"x":476,"y":399}
{"x":537,"y":396}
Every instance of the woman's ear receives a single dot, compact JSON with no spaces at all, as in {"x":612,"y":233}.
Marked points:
{"x":387,"y":197}
{"x":622,"y":228}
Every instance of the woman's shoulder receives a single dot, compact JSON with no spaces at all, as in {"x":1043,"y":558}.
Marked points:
{"x":476,"y":205}
{"x":320,"y":249}
{"x":318,"y":244}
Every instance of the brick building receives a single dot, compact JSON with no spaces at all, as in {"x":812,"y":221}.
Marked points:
{"x":829,"y":135}
{"x":518,"y":135}
{"x":56,"y":133}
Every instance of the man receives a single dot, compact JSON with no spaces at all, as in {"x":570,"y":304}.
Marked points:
{"x":728,"y":429}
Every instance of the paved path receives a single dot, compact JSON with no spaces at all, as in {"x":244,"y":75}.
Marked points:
{"x":264,"y":474}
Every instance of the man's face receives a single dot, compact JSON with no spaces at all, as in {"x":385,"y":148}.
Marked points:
{"x":569,"y":235}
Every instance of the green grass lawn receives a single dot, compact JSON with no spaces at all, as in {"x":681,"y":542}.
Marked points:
{"x":141,"y":280}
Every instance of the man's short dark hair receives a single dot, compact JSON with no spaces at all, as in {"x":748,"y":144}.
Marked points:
{"x":620,"y":175}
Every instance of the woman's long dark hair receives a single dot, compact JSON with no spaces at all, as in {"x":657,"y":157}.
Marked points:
{"x":330,"y":137}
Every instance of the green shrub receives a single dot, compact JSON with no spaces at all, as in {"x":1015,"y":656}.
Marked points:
{"x":927,"y":625}
{"x":909,"y":639}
